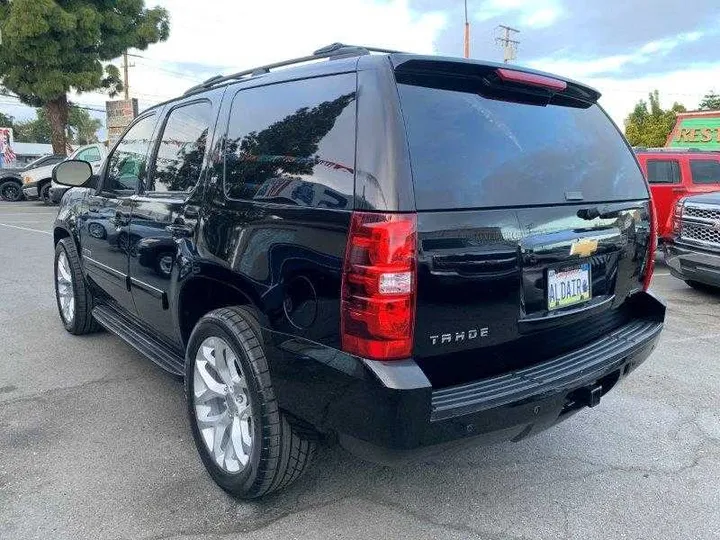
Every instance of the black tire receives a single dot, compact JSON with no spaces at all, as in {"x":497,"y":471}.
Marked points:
{"x":282,"y":449}
{"x":82,"y":322}
{"x":702,"y":286}
{"x":10,"y":190}
{"x":44,"y":193}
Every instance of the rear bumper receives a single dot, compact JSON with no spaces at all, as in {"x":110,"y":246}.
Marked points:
{"x":693,"y":263}
{"x":384,"y":411}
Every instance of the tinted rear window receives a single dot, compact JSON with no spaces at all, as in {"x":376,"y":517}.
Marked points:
{"x":660,"y":171}
{"x":705,"y":171}
{"x":468,"y":151}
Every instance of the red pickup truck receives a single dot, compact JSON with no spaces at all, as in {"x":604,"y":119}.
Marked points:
{"x":674,"y":173}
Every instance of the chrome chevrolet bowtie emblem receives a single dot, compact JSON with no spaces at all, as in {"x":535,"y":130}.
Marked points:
{"x":716,"y":225}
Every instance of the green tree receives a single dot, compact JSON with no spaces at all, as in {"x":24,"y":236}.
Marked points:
{"x":82,"y":127}
{"x":649,"y":124}
{"x":50,"y":47}
{"x":37,"y":130}
{"x":710,"y":102}
{"x":6,"y":121}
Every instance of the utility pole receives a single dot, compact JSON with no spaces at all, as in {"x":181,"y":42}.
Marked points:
{"x":126,"y":84}
{"x":508,"y":45}
{"x":467,"y":33}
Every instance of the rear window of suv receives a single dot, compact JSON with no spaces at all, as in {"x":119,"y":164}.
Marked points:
{"x":468,"y":151}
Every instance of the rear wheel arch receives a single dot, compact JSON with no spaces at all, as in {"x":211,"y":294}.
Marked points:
{"x":201,"y":295}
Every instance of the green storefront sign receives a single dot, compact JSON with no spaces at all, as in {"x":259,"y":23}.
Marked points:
{"x":700,"y":131}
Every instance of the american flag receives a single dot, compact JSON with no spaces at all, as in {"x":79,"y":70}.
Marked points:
{"x":8,"y":154}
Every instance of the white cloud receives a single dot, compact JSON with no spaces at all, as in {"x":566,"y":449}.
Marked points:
{"x":597,"y":66}
{"x":620,"y":94}
{"x":231,"y":35}
{"x":686,"y":86}
{"x":241,"y":34}
{"x":526,"y":13}
{"x":542,"y":17}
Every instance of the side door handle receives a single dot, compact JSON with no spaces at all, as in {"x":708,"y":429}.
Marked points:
{"x":180,"y":230}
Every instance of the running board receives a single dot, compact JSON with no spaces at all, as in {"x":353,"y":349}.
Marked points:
{"x":120,"y":325}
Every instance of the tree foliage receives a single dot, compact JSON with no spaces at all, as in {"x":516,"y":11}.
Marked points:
{"x":649,"y":124}
{"x":6,"y":121}
{"x":82,"y":128}
{"x":50,"y":47}
{"x":710,"y":102}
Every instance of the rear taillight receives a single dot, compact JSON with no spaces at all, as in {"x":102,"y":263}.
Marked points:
{"x":652,"y":247}
{"x":378,"y":286}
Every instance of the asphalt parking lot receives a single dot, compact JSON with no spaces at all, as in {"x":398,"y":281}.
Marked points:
{"x":94,"y":443}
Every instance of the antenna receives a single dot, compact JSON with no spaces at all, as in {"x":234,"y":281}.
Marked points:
{"x":467,"y":34}
{"x":508,"y":45}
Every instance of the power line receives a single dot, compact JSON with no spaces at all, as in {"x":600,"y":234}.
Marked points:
{"x":508,"y":45}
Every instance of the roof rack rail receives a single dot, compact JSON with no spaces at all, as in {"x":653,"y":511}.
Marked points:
{"x":332,"y":51}
{"x":675,"y":149}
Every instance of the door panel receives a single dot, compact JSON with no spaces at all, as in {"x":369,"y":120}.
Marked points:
{"x":153,"y":257}
{"x":168,"y":208}
{"x":105,"y":242}
{"x":105,"y":234}
{"x":666,"y":188}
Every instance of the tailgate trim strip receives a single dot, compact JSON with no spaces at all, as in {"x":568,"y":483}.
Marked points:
{"x":568,"y":371}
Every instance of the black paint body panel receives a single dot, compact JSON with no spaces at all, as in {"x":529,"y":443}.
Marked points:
{"x":164,"y":259}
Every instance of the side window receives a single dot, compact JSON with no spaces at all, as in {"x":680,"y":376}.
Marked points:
{"x":90,"y":155}
{"x":663,"y":171}
{"x":182,"y":148}
{"x":705,"y":171}
{"x":127,"y":164}
{"x":293,"y":143}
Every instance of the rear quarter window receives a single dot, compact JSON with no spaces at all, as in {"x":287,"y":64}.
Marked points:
{"x":293,"y":143}
{"x":468,"y":151}
{"x":705,"y":171}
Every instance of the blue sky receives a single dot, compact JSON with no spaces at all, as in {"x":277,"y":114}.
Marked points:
{"x":625,"y":48}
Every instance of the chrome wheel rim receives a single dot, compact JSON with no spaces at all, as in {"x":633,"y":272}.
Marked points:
{"x":222,"y":408}
{"x":66,"y":295}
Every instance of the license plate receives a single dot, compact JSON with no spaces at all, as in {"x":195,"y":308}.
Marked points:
{"x":568,"y":287}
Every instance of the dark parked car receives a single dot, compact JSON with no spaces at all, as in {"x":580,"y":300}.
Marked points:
{"x":693,"y":254}
{"x":389,"y":249}
{"x":11,"y":178}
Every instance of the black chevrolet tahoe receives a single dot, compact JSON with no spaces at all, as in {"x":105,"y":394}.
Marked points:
{"x":386,"y":249}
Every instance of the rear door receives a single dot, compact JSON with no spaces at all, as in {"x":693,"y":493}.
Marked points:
{"x":533,"y":220}
{"x":663,"y":175}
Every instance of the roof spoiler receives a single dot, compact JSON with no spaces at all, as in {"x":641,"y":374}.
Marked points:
{"x":489,"y":76}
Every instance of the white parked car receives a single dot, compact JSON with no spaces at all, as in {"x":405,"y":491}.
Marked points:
{"x":37,"y":182}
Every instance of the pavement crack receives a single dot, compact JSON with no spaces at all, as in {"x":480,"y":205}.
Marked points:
{"x":255,"y":526}
{"x":47,"y":394}
{"x":455,"y":527}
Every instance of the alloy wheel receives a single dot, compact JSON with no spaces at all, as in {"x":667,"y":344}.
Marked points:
{"x":222,"y":406}
{"x":11,"y":192}
{"x":65,"y":292}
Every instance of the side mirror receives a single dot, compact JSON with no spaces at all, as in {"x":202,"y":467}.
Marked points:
{"x":73,"y":173}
